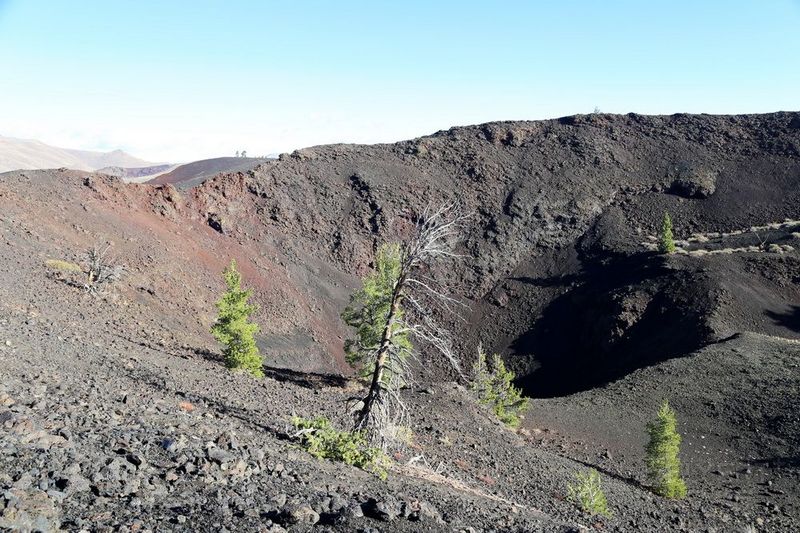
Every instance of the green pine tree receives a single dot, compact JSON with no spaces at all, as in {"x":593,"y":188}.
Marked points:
{"x":666,"y":241}
{"x":663,"y":464}
{"x":494,"y":388}
{"x":370,"y":312}
{"x":233,"y":328}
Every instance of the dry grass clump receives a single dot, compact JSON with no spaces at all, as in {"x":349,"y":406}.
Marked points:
{"x":62,"y":266}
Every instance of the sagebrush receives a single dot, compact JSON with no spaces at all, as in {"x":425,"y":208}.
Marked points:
{"x":588,"y":494}
{"x":663,"y":464}
{"x":493,"y":385}
{"x":233,"y":327}
{"x":323,"y":441}
{"x":101,"y":270}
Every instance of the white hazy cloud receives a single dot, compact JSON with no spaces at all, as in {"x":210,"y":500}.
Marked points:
{"x":179,"y":139}
{"x":186,"y":137}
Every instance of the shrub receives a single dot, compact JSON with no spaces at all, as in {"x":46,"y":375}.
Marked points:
{"x":587,"y":493}
{"x":663,"y":464}
{"x":666,"y":241}
{"x":323,"y":441}
{"x":494,"y":388}
{"x":400,"y":436}
{"x":233,"y":328}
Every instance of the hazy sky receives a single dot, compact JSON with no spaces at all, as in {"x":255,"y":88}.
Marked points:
{"x":181,"y":80}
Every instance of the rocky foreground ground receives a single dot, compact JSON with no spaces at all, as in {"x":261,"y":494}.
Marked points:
{"x":102,"y":433}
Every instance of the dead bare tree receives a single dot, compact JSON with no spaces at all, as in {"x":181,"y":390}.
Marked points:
{"x":100,"y":270}
{"x":406,"y":309}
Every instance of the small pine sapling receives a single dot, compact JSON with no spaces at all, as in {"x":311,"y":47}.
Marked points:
{"x":663,"y":464}
{"x":233,"y":328}
{"x":481,"y":376}
{"x":493,"y":387}
{"x":666,"y":241}
{"x":587,"y":493}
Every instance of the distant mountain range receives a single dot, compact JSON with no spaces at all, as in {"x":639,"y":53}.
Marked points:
{"x":29,"y":154}
{"x":26,"y":154}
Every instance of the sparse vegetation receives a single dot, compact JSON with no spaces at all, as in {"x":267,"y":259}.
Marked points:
{"x":666,"y":241}
{"x":587,"y":493}
{"x":323,"y":441}
{"x":98,"y":272}
{"x":233,"y":328}
{"x":714,"y":242}
{"x":492,"y":383}
{"x":663,"y":464}
{"x":402,"y":436}
{"x":547,"y":270}
{"x":65,"y":271}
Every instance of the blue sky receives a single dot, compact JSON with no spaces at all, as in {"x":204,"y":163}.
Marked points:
{"x":181,"y":80}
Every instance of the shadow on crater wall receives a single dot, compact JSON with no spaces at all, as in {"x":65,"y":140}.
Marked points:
{"x":623,"y":314}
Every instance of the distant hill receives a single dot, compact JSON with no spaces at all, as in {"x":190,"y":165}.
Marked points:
{"x":26,"y":154}
{"x":136,"y":174}
{"x":197,"y":172}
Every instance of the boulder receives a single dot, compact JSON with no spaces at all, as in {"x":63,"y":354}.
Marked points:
{"x":693,"y":183}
